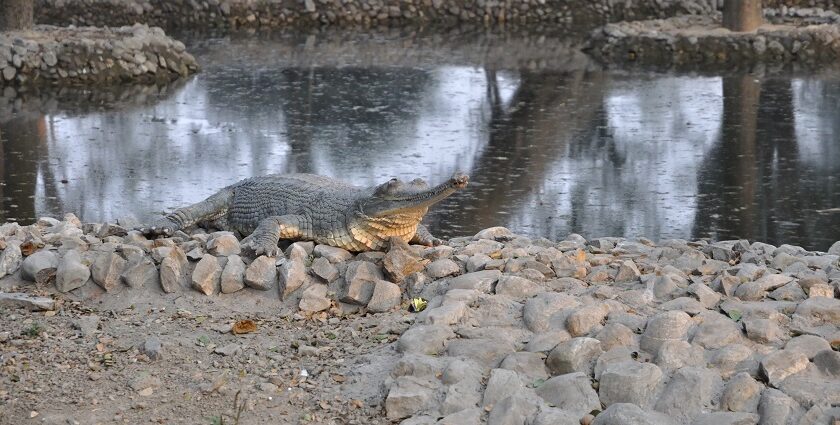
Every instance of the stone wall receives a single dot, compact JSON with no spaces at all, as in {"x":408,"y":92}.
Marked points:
{"x":48,"y":55}
{"x":276,"y":13}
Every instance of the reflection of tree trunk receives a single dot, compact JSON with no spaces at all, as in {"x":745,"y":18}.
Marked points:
{"x":23,"y":145}
{"x":16,"y":15}
{"x":742,"y":15}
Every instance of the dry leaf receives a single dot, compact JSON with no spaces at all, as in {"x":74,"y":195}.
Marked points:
{"x":339,"y":378}
{"x":244,"y":327}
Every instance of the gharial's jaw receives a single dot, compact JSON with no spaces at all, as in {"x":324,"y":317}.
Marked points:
{"x":385,"y":202}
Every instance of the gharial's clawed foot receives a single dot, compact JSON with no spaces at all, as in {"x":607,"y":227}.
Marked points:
{"x":260,"y":247}
{"x":159,"y":227}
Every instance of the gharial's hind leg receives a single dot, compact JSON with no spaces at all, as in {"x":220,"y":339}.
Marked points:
{"x":209,"y":209}
{"x":269,"y":232}
{"x":424,"y":237}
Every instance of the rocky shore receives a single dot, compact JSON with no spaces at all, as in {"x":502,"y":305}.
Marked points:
{"x":516,"y":331}
{"x":75,"y":56}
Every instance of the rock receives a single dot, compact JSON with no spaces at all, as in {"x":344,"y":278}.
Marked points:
{"x":315,"y":299}
{"x":71,"y":273}
{"x":818,"y":290}
{"x":10,"y":259}
{"x":820,"y":310}
{"x":172,"y":274}
{"x":332,"y":254}
{"x":629,"y":382}
{"x":224,"y":245}
{"x":615,"y":335}
{"x":539,"y":309}
{"x":233,"y":275}
{"x":400,"y":261}
{"x":764,"y":331}
{"x":776,"y":408}
{"x":671,"y":325}
{"x":424,"y":339}
{"x":575,"y":355}
{"x":707,"y":297}
{"x":755,"y":291}
{"x":152,"y":348}
{"x":811,"y":388}
{"x":828,"y":363}
{"x":715,"y":331}
{"x":689,"y":392}
{"x":494,"y":233}
{"x":471,"y":416}
{"x":675,"y":354}
{"x":87,"y":325}
{"x":732,"y":359}
{"x":261,"y":273}
{"x":530,"y":366}
{"x":503,"y":383}
{"x":407,"y":396}
{"x":546,"y":341}
{"x":360,"y":280}
{"x":291,"y":274}
{"x":726,"y":418}
{"x":33,"y":303}
{"x":571,"y":392}
{"x":513,"y":410}
{"x":487,"y":352}
{"x":741,"y":394}
{"x":481,"y":281}
{"x":39,"y":267}
{"x":809,"y":345}
{"x":441,"y":268}
{"x":477,"y":262}
{"x":141,"y":274}
{"x":790,"y":292}
{"x":585,"y":319}
{"x":554,"y":416}
{"x":107,"y":269}
{"x":205,"y":277}
{"x":630,"y":414}
{"x":778,"y":365}
{"x":228,"y":350}
{"x":628,"y":272}
{"x":322,"y":268}
{"x":386,"y":296}
{"x":517,"y":287}
{"x":685,"y":304}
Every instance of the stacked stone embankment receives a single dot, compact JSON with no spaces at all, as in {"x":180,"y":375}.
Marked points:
{"x":517,"y":330}
{"x":48,"y":55}
{"x":274,"y":13}
{"x":809,"y":37}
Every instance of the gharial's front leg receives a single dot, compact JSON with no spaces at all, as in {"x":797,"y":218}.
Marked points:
{"x":424,"y":237}
{"x":211,"y":208}
{"x":269,"y":232}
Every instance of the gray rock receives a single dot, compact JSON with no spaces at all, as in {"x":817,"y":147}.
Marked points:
{"x":228,"y":350}
{"x":811,"y":388}
{"x":461,"y":395}
{"x":71,"y":273}
{"x":707,"y":297}
{"x":441,"y":268}
{"x":776,"y":408}
{"x":332,"y":254}
{"x":820,"y":310}
{"x":571,"y":392}
{"x":675,"y":354}
{"x":778,"y":365}
{"x":408,"y":396}
{"x":809,"y":345}
{"x":539,"y":309}
{"x":292,"y":273}
{"x":685,"y":304}
{"x":503,"y":383}
{"x":39,"y":267}
{"x":555,"y":416}
{"x":755,"y":291}
{"x":546,"y":341}
{"x":689,"y":392}
{"x":87,"y":325}
{"x":233,"y":275}
{"x":425,"y":339}
{"x":172,"y":275}
{"x":828,"y":362}
{"x":671,"y":325}
{"x":477,"y":262}
{"x":494,"y":233}
{"x":261,"y":273}
{"x":530,"y":366}
{"x":628,"y":272}
{"x":360,"y":280}
{"x":152,"y":348}
{"x":764,"y":331}
{"x":725,"y":418}
{"x":33,"y":303}
{"x":732,"y":359}
{"x":630,"y":414}
{"x":741,"y":394}
{"x":447,"y":314}
{"x":517,"y":287}
{"x":821,"y":290}
{"x":10,"y":259}
{"x":514,"y":410}
{"x":205,"y":277}
{"x":486,"y":352}
{"x":386,"y":296}
{"x":471,"y":416}
{"x":224,"y":245}
{"x":616,"y":355}
{"x":400,"y":261}
{"x":835,"y":248}
{"x":315,"y":298}
{"x":107,"y":269}
{"x":716,"y":331}
{"x":615,"y":335}
{"x":586,"y":319}
{"x":629,"y":382}
{"x":322,"y":268}
{"x":790,"y":292}
{"x":575,"y":355}
{"x":140,"y":274}
{"x":481,"y":281}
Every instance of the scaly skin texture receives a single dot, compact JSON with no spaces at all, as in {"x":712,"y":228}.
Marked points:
{"x":317,"y":208}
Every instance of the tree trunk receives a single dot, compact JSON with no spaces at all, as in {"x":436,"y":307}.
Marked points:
{"x":16,"y":15}
{"x":742,"y":15}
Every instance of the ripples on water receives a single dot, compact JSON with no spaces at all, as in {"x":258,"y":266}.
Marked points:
{"x":552,"y":144}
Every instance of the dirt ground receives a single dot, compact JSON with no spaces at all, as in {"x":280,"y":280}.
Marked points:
{"x":68,"y":367}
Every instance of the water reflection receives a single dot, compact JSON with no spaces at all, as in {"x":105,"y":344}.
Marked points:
{"x":552,"y":145}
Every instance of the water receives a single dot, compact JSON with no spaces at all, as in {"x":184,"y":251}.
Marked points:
{"x":552,"y":143}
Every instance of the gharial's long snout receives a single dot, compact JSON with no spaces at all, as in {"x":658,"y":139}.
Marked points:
{"x":459,"y":180}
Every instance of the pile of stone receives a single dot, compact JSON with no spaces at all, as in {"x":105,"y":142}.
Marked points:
{"x":518,"y":330}
{"x":281,"y":13}
{"x":809,"y":37}
{"x":48,"y":55}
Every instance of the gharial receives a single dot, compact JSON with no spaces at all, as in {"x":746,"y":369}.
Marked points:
{"x":317,"y":208}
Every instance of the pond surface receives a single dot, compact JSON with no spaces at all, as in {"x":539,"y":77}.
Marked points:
{"x":552,"y":143}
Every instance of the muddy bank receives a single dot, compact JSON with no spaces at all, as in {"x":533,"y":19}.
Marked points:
{"x":76,"y":56}
{"x":515,"y":330}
